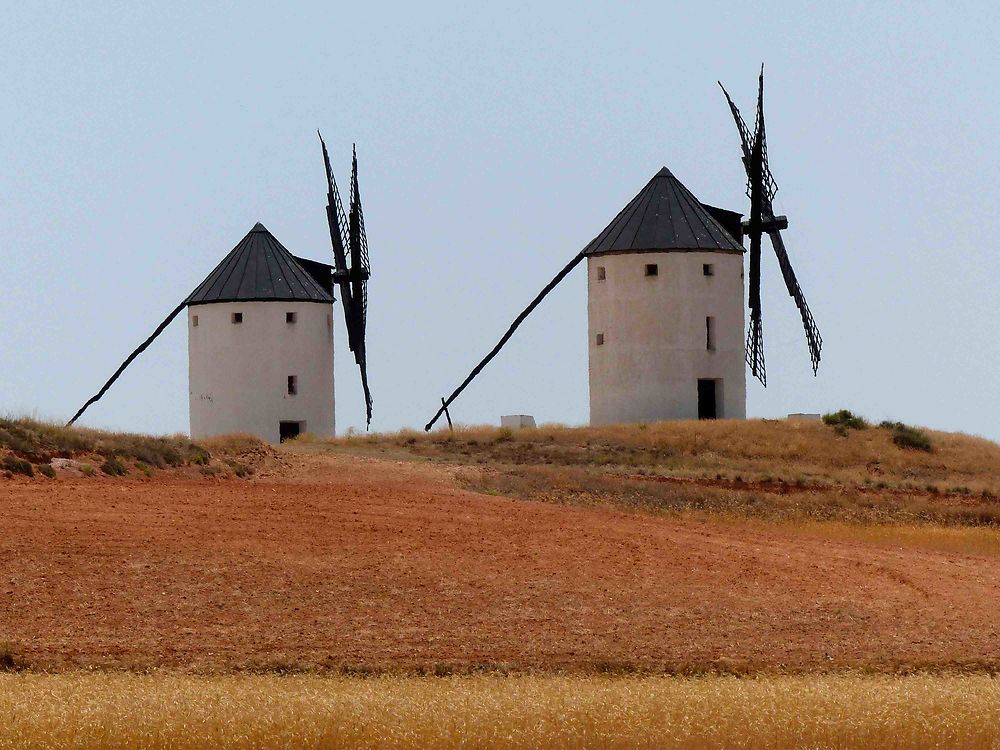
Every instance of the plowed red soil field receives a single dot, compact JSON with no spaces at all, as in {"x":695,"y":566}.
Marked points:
{"x":366,"y":563}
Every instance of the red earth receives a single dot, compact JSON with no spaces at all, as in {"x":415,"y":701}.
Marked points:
{"x":357,"y":563}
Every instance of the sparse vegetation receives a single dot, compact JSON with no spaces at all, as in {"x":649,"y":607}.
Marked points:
{"x":17,"y":465}
{"x":767,"y":470}
{"x":40,"y":442}
{"x":113,"y":467}
{"x":908,"y":437}
{"x":303,"y":711}
{"x":28,"y":441}
{"x":844,"y":420}
{"x":239,"y":469}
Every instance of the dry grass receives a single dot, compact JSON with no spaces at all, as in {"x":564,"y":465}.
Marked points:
{"x":751,"y":449}
{"x":845,"y":484}
{"x":27,"y":442}
{"x":40,"y":442}
{"x":157,"y":711}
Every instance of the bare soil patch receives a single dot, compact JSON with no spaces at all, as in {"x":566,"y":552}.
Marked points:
{"x":344,"y":562}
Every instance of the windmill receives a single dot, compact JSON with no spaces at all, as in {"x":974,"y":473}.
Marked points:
{"x":347,"y":235}
{"x":266,"y":282}
{"x":761,"y":189}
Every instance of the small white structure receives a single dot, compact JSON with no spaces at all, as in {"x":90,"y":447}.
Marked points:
{"x":260,"y":344}
{"x":517,"y":421}
{"x":665,"y":310}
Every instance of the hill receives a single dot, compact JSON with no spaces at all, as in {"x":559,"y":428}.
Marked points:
{"x":680,"y":547}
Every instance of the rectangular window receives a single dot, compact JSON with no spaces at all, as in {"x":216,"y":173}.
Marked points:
{"x":601,"y":275}
{"x":708,"y":269}
{"x":194,"y":321}
{"x":237,"y":318}
{"x":710,"y":333}
{"x":652,"y":269}
{"x":293,"y":385}
{"x":289,"y":317}
{"x":599,"y":339}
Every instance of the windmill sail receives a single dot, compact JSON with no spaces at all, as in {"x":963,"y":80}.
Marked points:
{"x":347,"y":236}
{"x":761,"y":189}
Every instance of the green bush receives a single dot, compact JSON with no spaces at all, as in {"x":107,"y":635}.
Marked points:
{"x":87,"y":470}
{"x":113,"y":467}
{"x":240,"y":470}
{"x":845,"y":419}
{"x":46,"y":470}
{"x":908,"y":437}
{"x":17,"y":466}
{"x":209,"y":471}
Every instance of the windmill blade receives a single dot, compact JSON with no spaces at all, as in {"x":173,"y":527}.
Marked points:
{"x":347,"y":236}
{"x":338,"y":232}
{"x":813,"y":338}
{"x":768,"y":184}
{"x":360,"y":270}
{"x":746,"y":139}
{"x":755,"y":174}
{"x":360,"y":273}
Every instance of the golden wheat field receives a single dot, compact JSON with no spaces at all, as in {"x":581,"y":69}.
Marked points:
{"x":118,"y":710}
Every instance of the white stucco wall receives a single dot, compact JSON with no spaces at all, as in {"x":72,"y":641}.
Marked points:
{"x":238,"y":374}
{"x":654,"y":349}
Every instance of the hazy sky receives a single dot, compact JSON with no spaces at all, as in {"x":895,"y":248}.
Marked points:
{"x":139,"y":144}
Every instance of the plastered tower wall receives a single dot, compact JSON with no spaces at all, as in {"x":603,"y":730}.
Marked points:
{"x":238,"y":372}
{"x":654,"y":334}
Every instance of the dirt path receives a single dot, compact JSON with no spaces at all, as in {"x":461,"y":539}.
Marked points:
{"x":365,"y":562}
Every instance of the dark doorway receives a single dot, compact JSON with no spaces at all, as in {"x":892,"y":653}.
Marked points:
{"x":706,"y":399}
{"x":288,"y":430}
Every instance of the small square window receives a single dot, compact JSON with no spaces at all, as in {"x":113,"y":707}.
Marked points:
{"x":652,"y":269}
{"x":237,"y":318}
{"x":601,"y":274}
{"x":289,"y":317}
{"x":194,"y":321}
{"x":599,"y":340}
{"x":293,"y":385}
{"x":708,"y":269}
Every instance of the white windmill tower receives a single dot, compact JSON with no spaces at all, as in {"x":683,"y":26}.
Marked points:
{"x":665,"y":310}
{"x":260,"y":344}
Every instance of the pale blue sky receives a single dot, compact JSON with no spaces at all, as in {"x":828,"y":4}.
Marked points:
{"x":139,"y":144}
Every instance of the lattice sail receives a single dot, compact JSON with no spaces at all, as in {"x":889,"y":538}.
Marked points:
{"x":761,"y":189}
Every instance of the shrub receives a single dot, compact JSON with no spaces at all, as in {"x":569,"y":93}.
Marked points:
{"x":504,"y":435}
{"x":845,"y":419}
{"x":240,"y":470}
{"x":17,"y":466}
{"x":908,"y":437}
{"x":209,"y":471}
{"x":198,"y":455}
{"x":145,"y":468}
{"x":87,"y":470}
{"x":46,"y":470}
{"x":113,"y":467}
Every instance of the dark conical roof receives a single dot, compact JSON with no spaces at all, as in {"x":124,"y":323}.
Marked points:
{"x":259,"y":268}
{"x":664,"y":216}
